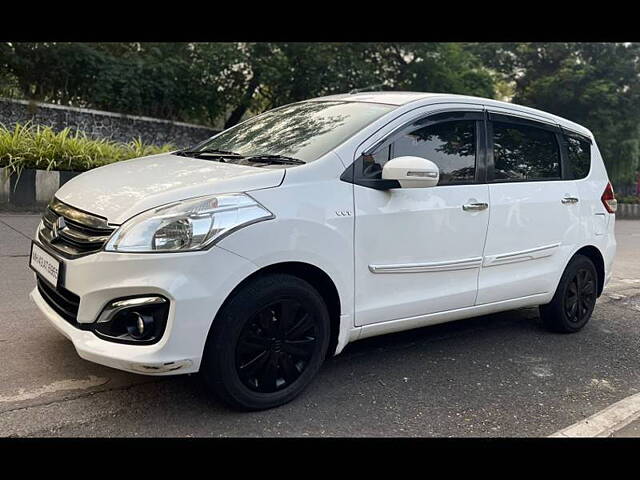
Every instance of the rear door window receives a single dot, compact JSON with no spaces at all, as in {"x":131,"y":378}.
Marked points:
{"x":524,"y":153}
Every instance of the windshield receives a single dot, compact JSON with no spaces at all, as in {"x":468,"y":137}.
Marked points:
{"x":304,"y":131}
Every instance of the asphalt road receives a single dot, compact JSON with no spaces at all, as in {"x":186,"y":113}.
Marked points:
{"x":498,"y":375}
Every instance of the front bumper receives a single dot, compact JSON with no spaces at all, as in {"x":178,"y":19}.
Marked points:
{"x":196,"y":284}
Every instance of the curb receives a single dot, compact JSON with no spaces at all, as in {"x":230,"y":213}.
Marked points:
{"x":33,"y":188}
{"x":605,"y":422}
{"x":628,"y":210}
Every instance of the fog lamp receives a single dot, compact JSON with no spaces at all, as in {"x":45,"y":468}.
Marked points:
{"x":135,"y":320}
{"x":138,"y":326}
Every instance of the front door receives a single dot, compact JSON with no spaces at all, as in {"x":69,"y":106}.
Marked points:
{"x":419,"y":250}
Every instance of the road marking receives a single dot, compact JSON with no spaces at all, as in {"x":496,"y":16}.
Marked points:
{"x":606,"y":421}
{"x":58,"y":386}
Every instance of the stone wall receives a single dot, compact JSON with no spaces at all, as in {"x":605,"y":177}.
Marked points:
{"x":100,"y":124}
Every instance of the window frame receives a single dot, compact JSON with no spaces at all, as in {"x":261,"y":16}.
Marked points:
{"x":353,"y":174}
{"x":520,"y":121}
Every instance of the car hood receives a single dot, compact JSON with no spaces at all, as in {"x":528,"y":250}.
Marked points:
{"x":121,"y":190}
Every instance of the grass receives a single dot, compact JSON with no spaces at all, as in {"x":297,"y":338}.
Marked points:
{"x":40,"y":147}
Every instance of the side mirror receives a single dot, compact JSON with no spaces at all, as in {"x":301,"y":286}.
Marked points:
{"x":411,"y":172}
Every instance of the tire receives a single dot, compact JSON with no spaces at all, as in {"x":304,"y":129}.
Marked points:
{"x":267,"y":343}
{"x":575,"y":298}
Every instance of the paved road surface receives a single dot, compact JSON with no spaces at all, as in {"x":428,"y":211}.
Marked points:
{"x":498,"y":375}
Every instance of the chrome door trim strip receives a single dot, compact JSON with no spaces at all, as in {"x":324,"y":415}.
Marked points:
{"x":464,"y":264}
{"x":520,"y":256}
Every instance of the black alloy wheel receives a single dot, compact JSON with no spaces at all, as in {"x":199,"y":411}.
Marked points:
{"x":267,"y":342}
{"x":580,"y":296}
{"x":574,"y":299}
{"x":276,"y":345}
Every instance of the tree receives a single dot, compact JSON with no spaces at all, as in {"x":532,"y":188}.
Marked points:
{"x":594,"y":84}
{"x":49,"y":71}
{"x":436,"y":67}
{"x":168,"y":80}
{"x":213,"y":82}
{"x":278,"y":73}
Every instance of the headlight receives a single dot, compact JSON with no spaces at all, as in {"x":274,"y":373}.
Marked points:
{"x":187,"y":225}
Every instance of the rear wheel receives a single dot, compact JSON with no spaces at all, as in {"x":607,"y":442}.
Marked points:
{"x":267,"y":343}
{"x":575,"y":298}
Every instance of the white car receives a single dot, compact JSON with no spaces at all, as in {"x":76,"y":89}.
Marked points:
{"x":256,"y":254}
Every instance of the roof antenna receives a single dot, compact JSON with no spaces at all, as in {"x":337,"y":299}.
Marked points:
{"x":366,"y":89}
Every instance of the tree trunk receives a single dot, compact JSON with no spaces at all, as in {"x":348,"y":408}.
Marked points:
{"x":240,"y":110}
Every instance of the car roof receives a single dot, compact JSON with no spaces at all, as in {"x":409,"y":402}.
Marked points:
{"x":390,"y":98}
{"x":424,"y":98}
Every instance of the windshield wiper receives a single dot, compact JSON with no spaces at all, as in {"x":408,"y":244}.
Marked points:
{"x":218,"y":153}
{"x":221,"y":154}
{"x":267,"y":158}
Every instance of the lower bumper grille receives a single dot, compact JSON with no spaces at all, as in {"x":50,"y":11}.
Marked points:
{"x":64,"y":302}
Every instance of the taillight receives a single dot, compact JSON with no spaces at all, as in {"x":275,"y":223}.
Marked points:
{"x":609,"y":199}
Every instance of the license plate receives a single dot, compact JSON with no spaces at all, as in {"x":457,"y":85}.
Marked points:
{"x":44,"y":264}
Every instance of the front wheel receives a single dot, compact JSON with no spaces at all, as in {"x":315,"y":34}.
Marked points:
{"x":575,"y":298}
{"x":267,"y":343}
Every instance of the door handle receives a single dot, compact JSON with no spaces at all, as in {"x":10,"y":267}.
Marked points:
{"x":474,"y":207}
{"x":570,"y":200}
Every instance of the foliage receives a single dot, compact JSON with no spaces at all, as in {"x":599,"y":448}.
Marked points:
{"x":219,"y":84}
{"x":28,"y":146}
{"x":290,"y":72}
{"x":594,"y":84}
{"x":222,"y":82}
{"x":166,"y":80}
{"x":634,"y":199}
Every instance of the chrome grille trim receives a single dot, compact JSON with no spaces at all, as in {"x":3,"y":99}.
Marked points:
{"x":78,"y":216}
{"x":81,"y":234}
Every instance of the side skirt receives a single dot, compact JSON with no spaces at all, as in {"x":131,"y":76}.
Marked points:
{"x":399,"y":325}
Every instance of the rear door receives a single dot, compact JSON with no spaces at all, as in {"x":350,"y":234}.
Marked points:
{"x":534,"y":210}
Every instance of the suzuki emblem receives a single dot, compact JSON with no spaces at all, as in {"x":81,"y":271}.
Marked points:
{"x":58,"y":226}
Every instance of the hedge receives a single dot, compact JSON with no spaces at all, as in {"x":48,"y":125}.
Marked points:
{"x":40,"y":147}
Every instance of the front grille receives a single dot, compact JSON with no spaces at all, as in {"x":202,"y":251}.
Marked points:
{"x":64,"y":302}
{"x":72,"y":232}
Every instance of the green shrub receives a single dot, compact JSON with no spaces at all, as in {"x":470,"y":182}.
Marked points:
{"x":628,"y":199}
{"x":29,"y":146}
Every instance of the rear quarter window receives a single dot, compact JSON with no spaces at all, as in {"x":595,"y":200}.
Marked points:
{"x":579,"y":156}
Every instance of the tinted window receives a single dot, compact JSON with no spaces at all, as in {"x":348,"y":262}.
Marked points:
{"x":372,"y":164}
{"x":524,"y":153}
{"x":579,"y":154}
{"x":305,"y":130}
{"x":450,"y":145}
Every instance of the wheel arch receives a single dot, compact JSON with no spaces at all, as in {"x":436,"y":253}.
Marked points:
{"x":593,"y":253}
{"x":316,"y":277}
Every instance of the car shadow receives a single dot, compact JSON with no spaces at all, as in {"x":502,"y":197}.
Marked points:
{"x":375,"y":350}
